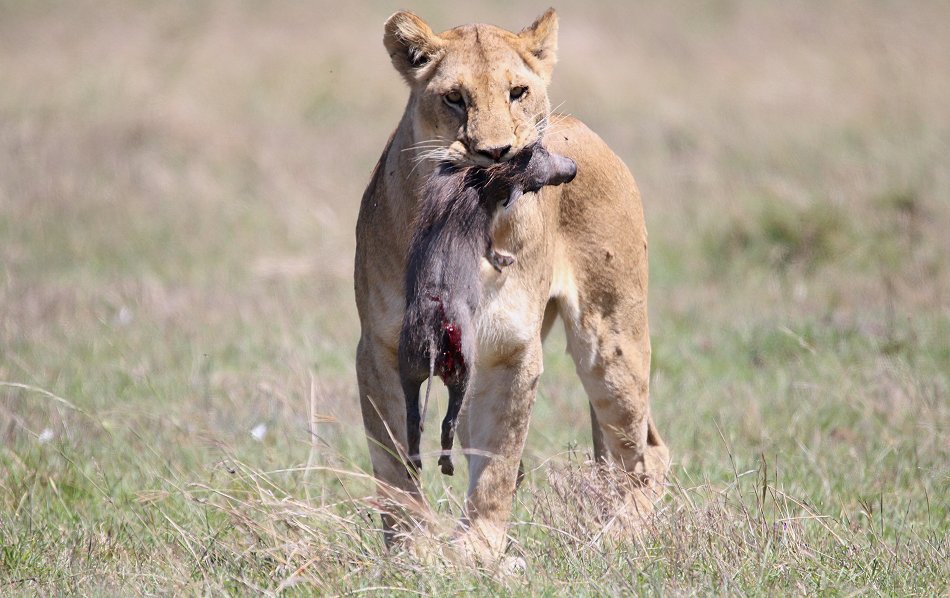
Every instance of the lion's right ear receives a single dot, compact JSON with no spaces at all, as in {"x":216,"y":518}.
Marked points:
{"x":411,"y":44}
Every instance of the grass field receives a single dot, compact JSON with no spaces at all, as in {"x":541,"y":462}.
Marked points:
{"x":179,"y":184}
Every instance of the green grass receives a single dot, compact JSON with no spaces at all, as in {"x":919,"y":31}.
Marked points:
{"x":178,"y":192}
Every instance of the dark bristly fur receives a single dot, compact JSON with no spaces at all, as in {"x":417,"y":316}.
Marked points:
{"x":443,"y":284}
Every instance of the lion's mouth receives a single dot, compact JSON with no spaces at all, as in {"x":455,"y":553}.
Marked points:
{"x":458,"y":153}
{"x":476,"y":159}
{"x":467,"y":157}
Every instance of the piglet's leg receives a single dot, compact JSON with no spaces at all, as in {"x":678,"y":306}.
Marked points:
{"x":456,"y":396}
{"x":413,"y":424}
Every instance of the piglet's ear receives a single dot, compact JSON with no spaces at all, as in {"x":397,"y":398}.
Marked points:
{"x":411,"y":45}
{"x":540,"y":41}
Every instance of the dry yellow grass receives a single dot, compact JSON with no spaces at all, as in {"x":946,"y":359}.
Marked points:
{"x":178,"y":191}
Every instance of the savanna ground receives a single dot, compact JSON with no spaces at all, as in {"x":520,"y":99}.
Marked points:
{"x":179,"y":183}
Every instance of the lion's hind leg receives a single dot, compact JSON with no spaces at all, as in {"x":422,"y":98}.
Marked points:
{"x":611,"y":352}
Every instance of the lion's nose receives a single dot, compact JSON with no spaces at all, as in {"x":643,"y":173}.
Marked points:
{"x":495,"y":153}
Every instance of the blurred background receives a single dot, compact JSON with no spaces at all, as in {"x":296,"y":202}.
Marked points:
{"x":179,"y":185}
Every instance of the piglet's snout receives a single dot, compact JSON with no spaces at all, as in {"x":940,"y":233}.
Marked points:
{"x":565,"y":169}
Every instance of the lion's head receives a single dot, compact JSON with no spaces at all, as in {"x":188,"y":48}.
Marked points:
{"x":479,"y":93}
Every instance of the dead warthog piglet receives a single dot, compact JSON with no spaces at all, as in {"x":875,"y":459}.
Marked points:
{"x":443,"y":281}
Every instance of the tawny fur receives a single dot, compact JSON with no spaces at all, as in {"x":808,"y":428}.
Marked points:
{"x":582,"y":254}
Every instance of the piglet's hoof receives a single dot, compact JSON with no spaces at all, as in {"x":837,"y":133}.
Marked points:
{"x":413,"y":467}
{"x":445,"y":462}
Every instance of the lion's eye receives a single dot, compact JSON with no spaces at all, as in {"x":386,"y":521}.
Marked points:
{"x":454,"y":99}
{"x":518,"y":92}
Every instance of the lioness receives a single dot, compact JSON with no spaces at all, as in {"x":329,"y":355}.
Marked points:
{"x":478,"y":95}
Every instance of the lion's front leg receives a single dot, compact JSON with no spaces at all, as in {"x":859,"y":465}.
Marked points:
{"x":384,"y":419}
{"x":493,"y":432}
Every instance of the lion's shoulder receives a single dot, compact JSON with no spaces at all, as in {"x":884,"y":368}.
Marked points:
{"x":596,"y":162}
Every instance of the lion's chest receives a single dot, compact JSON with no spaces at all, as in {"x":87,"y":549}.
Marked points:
{"x":509,"y":313}
{"x":506,"y":319}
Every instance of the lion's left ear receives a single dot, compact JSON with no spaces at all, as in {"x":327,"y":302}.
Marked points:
{"x":540,"y":39}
